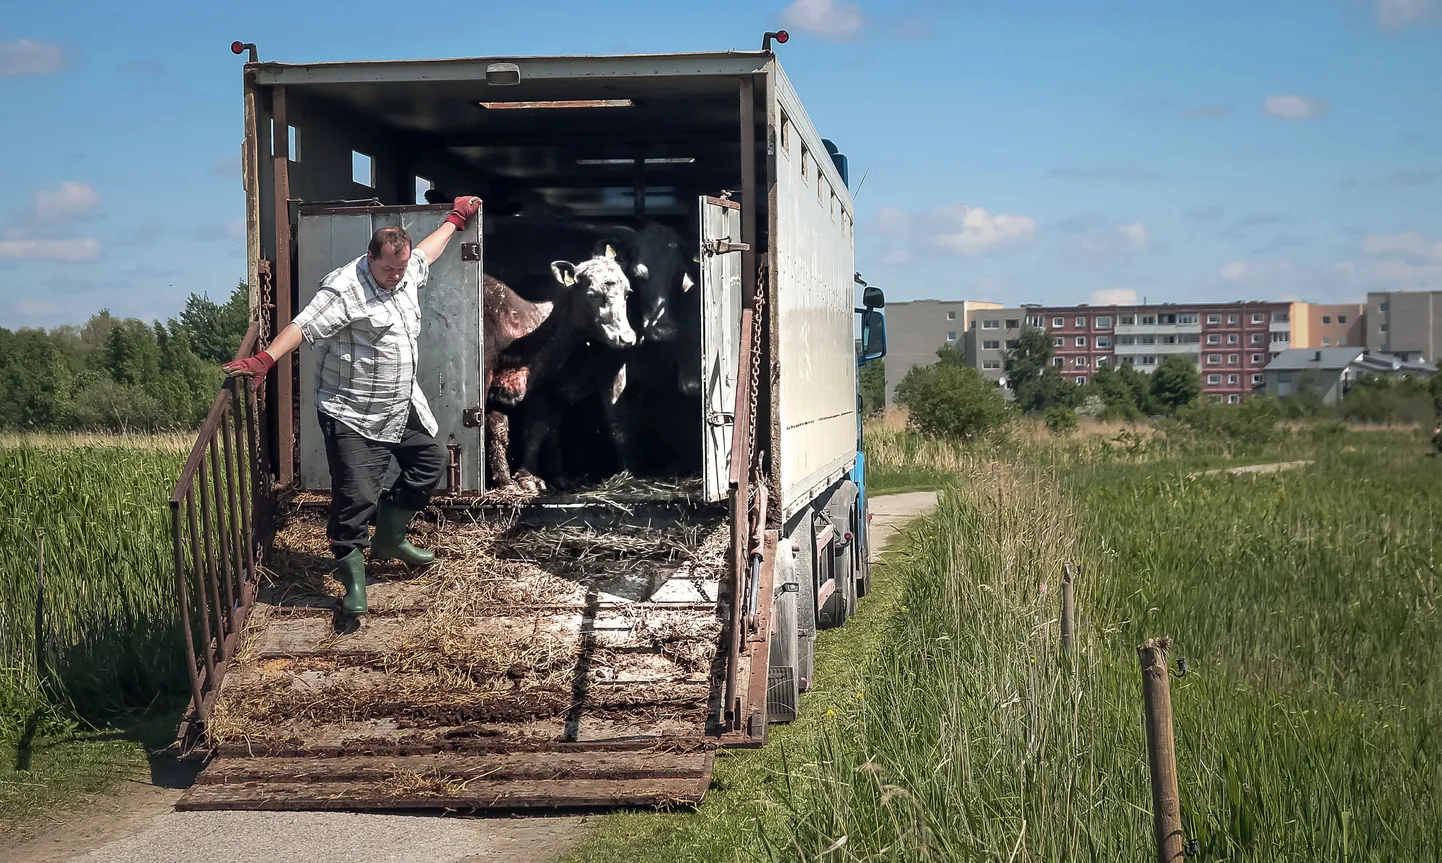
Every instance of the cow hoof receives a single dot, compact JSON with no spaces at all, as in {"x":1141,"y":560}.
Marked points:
{"x":529,"y":483}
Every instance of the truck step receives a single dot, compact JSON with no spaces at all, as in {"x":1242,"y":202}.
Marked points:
{"x":500,"y":781}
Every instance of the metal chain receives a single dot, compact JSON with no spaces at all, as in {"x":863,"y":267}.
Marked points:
{"x":266,"y":301}
{"x":757,"y":314}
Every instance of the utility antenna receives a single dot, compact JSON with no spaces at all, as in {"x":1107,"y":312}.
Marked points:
{"x":859,"y":185}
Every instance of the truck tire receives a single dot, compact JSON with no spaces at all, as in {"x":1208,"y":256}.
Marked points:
{"x":783,"y":675}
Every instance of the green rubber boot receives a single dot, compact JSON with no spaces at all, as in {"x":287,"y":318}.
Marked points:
{"x":390,"y":537}
{"x":351,"y":572}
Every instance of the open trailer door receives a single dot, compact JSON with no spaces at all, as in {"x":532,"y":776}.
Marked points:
{"x":720,"y":338}
{"x":450,"y":341}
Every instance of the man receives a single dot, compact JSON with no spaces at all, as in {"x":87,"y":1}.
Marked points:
{"x":364,"y":323}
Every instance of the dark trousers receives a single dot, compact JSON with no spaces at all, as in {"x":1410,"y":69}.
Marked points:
{"x":358,"y":465}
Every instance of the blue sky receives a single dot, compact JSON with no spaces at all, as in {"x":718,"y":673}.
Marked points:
{"x":1014,"y":150}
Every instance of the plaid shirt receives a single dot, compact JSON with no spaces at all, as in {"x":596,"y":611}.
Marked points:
{"x":365,"y":342}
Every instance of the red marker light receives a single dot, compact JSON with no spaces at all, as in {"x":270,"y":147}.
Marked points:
{"x":237,"y":47}
{"x":782,"y":36}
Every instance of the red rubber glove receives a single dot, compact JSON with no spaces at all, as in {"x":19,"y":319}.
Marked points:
{"x":251,"y":367}
{"x":465,"y":210}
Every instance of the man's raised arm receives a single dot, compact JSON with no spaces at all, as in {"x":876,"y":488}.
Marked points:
{"x":434,"y":245}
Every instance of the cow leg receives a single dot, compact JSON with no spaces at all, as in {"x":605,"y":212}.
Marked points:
{"x":498,"y":441}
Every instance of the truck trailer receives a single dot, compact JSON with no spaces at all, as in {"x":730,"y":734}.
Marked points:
{"x":588,"y":647}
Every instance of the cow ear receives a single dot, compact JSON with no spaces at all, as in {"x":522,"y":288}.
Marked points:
{"x":565,"y":272}
{"x":610,"y":252}
{"x":686,"y":283}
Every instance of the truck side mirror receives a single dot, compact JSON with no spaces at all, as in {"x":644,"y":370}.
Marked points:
{"x":873,"y":298}
{"x":873,"y":336}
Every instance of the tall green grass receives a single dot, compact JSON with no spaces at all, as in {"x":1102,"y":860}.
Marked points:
{"x":1306,"y":603}
{"x":111,"y":639}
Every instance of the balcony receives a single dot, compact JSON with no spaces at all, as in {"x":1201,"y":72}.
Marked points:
{"x":1157,"y":329}
{"x":1280,"y":327}
{"x":1194,"y":350}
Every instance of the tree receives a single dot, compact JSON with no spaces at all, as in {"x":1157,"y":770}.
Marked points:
{"x":1118,"y":396}
{"x":951,"y":354}
{"x":1025,"y":366}
{"x":871,"y":381}
{"x":1060,"y":420}
{"x":1177,"y":382}
{"x":216,"y":330}
{"x":1140,"y":385}
{"x":954,"y":402}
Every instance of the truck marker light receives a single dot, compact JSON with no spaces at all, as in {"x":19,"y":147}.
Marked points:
{"x":783,"y":37}
{"x":237,"y":47}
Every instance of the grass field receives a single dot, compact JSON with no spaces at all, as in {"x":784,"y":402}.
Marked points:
{"x":1306,"y":603}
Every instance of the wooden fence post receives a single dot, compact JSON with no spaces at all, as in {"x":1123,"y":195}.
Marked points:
{"x":1161,"y":750}
{"x":1068,"y":609}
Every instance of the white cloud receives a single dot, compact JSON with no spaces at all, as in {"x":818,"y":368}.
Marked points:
{"x":1289,"y":106}
{"x":1408,"y":244}
{"x":1234,"y":270}
{"x":963,"y":230}
{"x":30,"y":57}
{"x":58,"y":251}
{"x":832,"y":20}
{"x":1399,"y":14}
{"x":1107,"y":241}
{"x":1114,"y":297}
{"x":71,"y":199}
{"x":1135,"y":236}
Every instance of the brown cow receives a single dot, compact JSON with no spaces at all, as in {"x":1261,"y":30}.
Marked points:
{"x":506,"y":318}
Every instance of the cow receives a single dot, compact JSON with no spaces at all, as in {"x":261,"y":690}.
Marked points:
{"x":589,"y":305}
{"x":506,"y":317}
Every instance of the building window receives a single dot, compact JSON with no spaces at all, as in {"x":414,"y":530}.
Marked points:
{"x":1103,"y":361}
{"x":1126,"y":340}
{"x":1149,"y":320}
{"x":1256,"y":379}
{"x":1189,"y":339}
{"x":992,"y":345}
{"x":1058,"y":342}
{"x":1081,"y":379}
{"x":1384,"y":306}
{"x":1081,"y":323}
{"x":1127,"y":320}
{"x":1011,"y":323}
{"x":1167,"y":319}
{"x":1011,"y":344}
{"x":1231,"y":359}
{"x":1104,"y":322}
{"x":1326,"y":319}
{"x":991,"y":364}
{"x":1231,"y":319}
{"x":1281,"y":337}
{"x":951,"y":336}
{"x":1258,"y":358}
{"x":1232,"y":380}
{"x":1214,"y":359}
{"x":1081,"y":362}
{"x":1281,"y":317}
{"x":1258,"y":318}
{"x":1035,"y":321}
{"x":1232,"y":339}
{"x":1256,"y":338}
{"x":1103,"y":341}
{"x":1382,"y":327}
{"x":1081,"y":341}
{"x":1341,"y":340}
{"x":1058,"y":322}
{"x":951,"y":316}
{"x":1214,"y":339}
{"x":1213,"y":380}
{"x":1326,"y":341}
{"x":1214,"y":319}
{"x":991,"y":325}
{"x":1147,"y":361}
{"x":1233,"y":399}
{"x":1186,"y":319}
{"x":1341,"y":319}
{"x":1058,"y":361}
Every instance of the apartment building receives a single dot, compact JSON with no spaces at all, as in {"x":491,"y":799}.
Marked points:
{"x":1231,"y":342}
{"x":1405,"y":323}
{"x":1318,"y":325}
{"x":915,"y":329}
{"x":989,"y":333}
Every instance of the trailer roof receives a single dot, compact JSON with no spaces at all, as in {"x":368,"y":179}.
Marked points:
{"x":718,"y":63}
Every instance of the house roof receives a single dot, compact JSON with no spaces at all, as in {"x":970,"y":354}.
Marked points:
{"x":1385,"y":363}
{"x":1329,"y":359}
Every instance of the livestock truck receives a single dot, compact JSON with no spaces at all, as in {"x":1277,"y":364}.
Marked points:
{"x":589,"y":647}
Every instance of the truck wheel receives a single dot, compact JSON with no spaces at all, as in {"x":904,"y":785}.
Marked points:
{"x":783,"y":676}
{"x":841,"y":510}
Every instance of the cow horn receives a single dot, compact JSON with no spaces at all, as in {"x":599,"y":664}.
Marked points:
{"x":610,"y":252}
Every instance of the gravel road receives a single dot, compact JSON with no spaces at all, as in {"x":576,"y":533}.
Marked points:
{"x":138,"y":824}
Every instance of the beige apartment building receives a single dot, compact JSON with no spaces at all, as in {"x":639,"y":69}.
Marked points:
{"x":915,"y":329}
{"x":1318,"y":325}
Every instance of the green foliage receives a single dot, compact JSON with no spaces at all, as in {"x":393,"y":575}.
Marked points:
{"x":953,"y":402}
{"x":1124,"y":393}
{"x":120,"y":374}
{"x":1391,"y":401}
{"x":1060,"y":420}
{"x":1037,"y":383}
{"x":1176,"y":383}
{"x":1241,"y":428}
{"x":871,"y":381}
{"x":951,"y":354}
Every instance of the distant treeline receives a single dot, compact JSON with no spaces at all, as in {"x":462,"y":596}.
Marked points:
{"x":120,"y":374}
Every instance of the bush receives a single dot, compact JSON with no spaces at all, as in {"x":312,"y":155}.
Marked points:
{"x":953,"y":402}
{"x":1251,"y":424}
{"x":1060,"y":420}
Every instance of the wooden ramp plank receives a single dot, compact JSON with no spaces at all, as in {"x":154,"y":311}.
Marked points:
{"x":511,"y":766}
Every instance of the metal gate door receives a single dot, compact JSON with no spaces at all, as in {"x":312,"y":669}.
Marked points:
{"x":449,"y":363}
{"x":720,"y":339}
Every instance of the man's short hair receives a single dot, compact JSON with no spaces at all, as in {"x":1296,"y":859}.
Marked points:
{"x":394,"y":240}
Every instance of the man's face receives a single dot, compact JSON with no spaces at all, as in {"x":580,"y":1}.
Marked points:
{"x":390,"y":267}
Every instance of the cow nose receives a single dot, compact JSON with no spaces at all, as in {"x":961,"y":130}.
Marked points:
{"x":628,"y":338}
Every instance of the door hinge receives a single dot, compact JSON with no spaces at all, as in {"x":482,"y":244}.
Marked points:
{"x":473,"y":417}
{"x":470,"y":251}
{"x":724,"y":245}
{"x":718,"y":418}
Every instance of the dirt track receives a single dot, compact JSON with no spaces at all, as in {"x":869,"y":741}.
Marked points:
{"x":139,"y":824}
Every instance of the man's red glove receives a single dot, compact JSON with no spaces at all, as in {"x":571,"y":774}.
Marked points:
{"x":251,"y":367}
{"x":465,"y":210}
